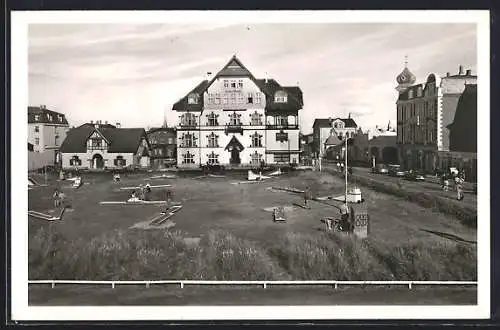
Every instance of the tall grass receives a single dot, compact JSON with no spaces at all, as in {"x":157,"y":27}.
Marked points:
{"x":150,"y":255}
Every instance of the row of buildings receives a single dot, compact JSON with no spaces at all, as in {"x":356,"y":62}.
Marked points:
{"x":232,"y":119}
{"x":436,"y":127}
{"x":236,"y":119}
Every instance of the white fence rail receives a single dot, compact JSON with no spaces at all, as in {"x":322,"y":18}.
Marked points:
{"x":264,"y":284}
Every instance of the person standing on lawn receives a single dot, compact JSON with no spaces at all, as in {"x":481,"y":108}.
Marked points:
{"x":344,"y":217}
{"x":57,"y":198}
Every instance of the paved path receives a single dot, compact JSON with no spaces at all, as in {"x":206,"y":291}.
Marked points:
{"x":428,"y":187}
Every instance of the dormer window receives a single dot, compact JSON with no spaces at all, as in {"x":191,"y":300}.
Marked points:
{"x":280,"y":97}
{"x":193,"y":98}
{"x":37,"y":117}
{"x":60,"y":118}
{"x":49,"y":117}
{"x":258,"y":98}
{"x":410,"y":94}
{"x":240,"y":83}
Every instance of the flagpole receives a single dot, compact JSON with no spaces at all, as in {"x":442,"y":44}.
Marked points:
{"x":346,"y":170}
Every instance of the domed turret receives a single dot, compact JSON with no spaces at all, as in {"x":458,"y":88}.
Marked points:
{"x":405,"y":79}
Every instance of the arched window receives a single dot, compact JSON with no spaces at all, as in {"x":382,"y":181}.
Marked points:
{"x":256,"y":140}
{"x":280,"y":97}
{"x":213,"y":140}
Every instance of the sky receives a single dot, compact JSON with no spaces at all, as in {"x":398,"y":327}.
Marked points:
{"x":134,"y":73}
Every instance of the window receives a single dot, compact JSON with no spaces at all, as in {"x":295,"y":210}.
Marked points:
{"x":233,"y":83}
{"x":37,"y":129}
{"x":37,"y":141}
{"x":217,"y":98}
{"x":188,"y":119}
{"x":56,"y":140}
{"x":170,"y":140}
{"x":258,"y":98}
{"x":213,"y":140}
{"x":225,"y":99}
{"x":119,"y":161}
{"x":256,"y":140}
{"x":241,"y":99}
{"x":213,"y":158}
{"x":256,"y":118}
{"x":96,"y":143}
{"x":212,"y":119}
{"x":226,"y":83}
{"x":37,"y":117}
{"x":410,"y":94}
{"x":256,"y":158}
{"x":240,"y":83}
{"x":188,"y":158}
{"x":234,"y":119}
{"x":280,"y":97}
{"x":281,"y":120}
{"x":188,"y":140}
{"x":233,"y":98}
{"x":335,"y":125}
{"x":419,"y":92}
{"x":193,"y":98}
{"x":49,"y":117}
{"x":211,"y":98}
{"x":281,"y":158}
{"x":60,"y":118}
{"x":250,"y":98}
{"x":75,"y":161}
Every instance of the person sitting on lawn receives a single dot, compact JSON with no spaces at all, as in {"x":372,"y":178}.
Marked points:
{"x":146,"y":192}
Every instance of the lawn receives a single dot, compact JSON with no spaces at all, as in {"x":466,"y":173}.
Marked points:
{"x":225,"y":231}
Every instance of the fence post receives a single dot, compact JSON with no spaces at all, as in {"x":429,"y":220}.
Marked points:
{"x":53,"y":285}
{"x":112,"y":285}
{"x":336,"y":286}
{"x":265,"y":285}
{"x":147,"y":284}
{"x":182,"y":285}
{"x":409,"y":285}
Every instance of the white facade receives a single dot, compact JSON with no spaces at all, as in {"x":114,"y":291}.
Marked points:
{"x":339,"y":129}
{"x":234,"y":128}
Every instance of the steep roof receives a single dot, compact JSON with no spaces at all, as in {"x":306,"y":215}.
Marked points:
{"x":45,"y":116}
{"x":234,"y":68}
{"x":333,"y":140}
{"x":183,"y":105}
{"x":122,"y":140}
{"x":324,"y":122}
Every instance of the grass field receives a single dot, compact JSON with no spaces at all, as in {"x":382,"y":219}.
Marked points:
{"x":225,"y":232}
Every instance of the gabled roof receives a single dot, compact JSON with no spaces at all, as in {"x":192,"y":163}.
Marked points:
{"x":235,"y":143}
{"x":43,"y":118}
{"x":183,"y":105}
{"x":234,"y":68}
{"x":121,"y":140}
{"x":323,"y":122}
{"x":333,"y":140}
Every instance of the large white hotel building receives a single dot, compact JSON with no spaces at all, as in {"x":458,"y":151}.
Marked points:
{"x":238,"y":120}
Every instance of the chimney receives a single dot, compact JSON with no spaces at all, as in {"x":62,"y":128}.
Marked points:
{"x":91,"y":121}
{"x":118,"y":125}
{"x":106,"y":122}
{"x":468,"y":72}
{"x":349,"y":115}
{"x":447,"y":74}
{"x":460,"y":70}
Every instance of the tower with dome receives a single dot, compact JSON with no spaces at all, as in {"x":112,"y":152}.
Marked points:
{"x":405,"y":79}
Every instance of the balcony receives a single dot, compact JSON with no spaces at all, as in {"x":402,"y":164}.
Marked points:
{"x":188,"y":125}
{"x":287,"y":126}
{"x":234,"y":128}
